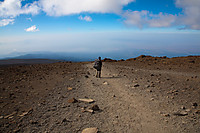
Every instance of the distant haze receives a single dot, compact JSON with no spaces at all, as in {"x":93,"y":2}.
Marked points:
{"x":107,"y":44}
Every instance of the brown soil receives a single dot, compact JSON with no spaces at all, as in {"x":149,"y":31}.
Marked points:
{"x":144,"y":94}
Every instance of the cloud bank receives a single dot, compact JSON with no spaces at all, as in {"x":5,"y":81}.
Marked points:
{"x":144,"y":18}
{"x":189,"y":18}
{"x":9,"y":9}
{"x":68,"y":7}
{"x":13,"y":8}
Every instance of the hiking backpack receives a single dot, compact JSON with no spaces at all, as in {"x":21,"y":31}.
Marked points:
{"x":96,"y":64}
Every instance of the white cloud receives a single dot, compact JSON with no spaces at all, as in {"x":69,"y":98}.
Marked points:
{"x":67,"y":7}
{"x":32,"y":29}
{"x":161,"y":20}
{"x":145,"y":19}
{"x":5,"y":22}
{"x":9,"y":9}
{"x":191,"y":10}
{"x":190,"y":17}
{"x":13,"y":8}
{"x":135,"y":18}
{"x":86,"y":18}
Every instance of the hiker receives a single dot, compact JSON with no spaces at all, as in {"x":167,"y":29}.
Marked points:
{"x":98,"y":65}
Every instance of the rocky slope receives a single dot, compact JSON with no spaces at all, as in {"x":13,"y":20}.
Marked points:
{"x":144,"y":94}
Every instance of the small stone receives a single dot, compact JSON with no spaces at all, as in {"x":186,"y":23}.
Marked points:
{"x":152,"y":85}
{"x":182,"y":107}
{"x":71,"y":79}
{"x":105,"y":83}
{"x":152,"y":99}
{"x":70,"y":88}
{"x":87,"y":110}
{"x":183,"y":113}
{"x":166,"y":115}
{"x":65,"y":120}
{"x":26,"y":113}
{"x":136,"y":85}
{"x":152,"y":74}
{"x":63,"y":106}
{"x":95,"y":107}
{"x":33,"y":122}
{"x":187,"y":110}
{"x":197,"y":111}
{"x":86,"y":76}
{"x":86,"y":100}
{"x":73,"y":100}
{"x":16,"y":130}
{"x":90,"y":130}
{"x":147,"y":86}
{"x":10,"y":115}
{"x":194,"y":105}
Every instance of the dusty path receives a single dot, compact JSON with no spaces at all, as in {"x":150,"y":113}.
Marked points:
{"x":131,"y":101}
{"x":122,"y":110}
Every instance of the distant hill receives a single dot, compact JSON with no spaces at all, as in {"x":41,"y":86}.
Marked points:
{"x":90,"y":56}
{"x":27,"y":61}
{"x":50,"y":56}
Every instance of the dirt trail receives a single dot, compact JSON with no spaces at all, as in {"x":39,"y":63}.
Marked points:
{"x":122,"y":110}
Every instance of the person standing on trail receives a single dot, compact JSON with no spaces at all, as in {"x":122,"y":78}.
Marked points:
{"x":97,"y":66}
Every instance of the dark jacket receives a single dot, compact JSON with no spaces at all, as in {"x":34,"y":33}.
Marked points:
{"x":99,"y":66}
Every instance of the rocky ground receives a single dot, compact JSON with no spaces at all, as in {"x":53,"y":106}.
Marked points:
{"x":144,"y":94}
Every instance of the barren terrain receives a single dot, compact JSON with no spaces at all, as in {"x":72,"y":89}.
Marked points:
{"x":144,"y":94}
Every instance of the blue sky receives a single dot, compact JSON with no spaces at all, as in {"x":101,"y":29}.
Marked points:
{"x":171,"y":26}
